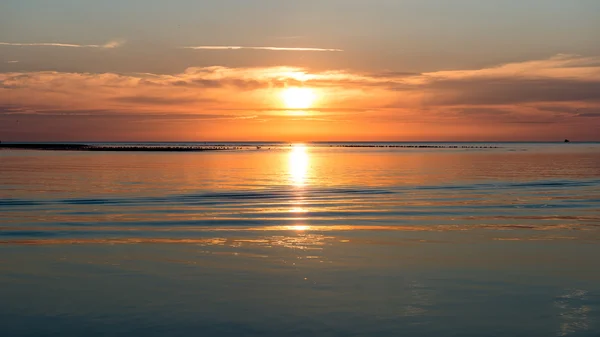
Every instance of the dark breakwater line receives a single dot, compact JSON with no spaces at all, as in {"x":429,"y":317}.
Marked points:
{"x":421,"y":146}
{"x":191,"y":148}
{"x":83,"y":147}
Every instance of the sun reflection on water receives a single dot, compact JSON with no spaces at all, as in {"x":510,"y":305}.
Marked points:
{"x":298,"y":210}
{"x":299,"y":228}
{"x":298,"y":164}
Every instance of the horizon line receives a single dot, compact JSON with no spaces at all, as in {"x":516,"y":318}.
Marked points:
{"x":298,"y":142}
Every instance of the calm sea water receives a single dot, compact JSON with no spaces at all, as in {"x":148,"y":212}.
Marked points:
{"x":302,"y":241}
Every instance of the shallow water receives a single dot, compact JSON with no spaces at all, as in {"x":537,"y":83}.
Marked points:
{"x":302,"y":240}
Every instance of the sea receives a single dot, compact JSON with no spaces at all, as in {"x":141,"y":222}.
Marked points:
{"x":313,"y":239}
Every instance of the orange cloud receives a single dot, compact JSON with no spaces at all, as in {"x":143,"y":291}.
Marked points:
{"x":534,"y":99}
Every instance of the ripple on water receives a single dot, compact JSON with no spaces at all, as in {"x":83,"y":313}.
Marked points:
{"x":563,"y":205}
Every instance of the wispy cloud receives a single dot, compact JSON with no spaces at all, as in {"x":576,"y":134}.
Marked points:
{"x":108,"y":45}
{"x":263,"y":48}
{"x":13,"y":61}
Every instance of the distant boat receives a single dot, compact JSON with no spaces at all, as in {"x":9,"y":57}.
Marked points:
{"x":567,"y":141}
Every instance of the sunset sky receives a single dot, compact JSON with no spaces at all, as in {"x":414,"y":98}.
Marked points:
{"x":311,"y":70}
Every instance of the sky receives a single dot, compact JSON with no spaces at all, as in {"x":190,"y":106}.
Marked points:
{"x":369,"y":70}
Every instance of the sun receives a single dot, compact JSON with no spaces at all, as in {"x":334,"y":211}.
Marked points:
{"x":298,"y":98}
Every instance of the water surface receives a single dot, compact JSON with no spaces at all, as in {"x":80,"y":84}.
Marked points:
{"x":302,"y":240}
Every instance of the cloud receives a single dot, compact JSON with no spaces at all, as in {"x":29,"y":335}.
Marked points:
{"x":108,"y":45}
{"x":586,"y":112}
{"x":113,"y":44}
{"x":158,"y":100}
{"x":13,"y":61}
{"x":484,"y":91}
{"x":552,"y":81}
{"x":563,"y":66}
{"x":557,"y":94}
{"x":263,"y":48}
{"x":562,"y":78}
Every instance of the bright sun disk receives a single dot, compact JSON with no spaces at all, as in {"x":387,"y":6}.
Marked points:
{"x":298,"y":98}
